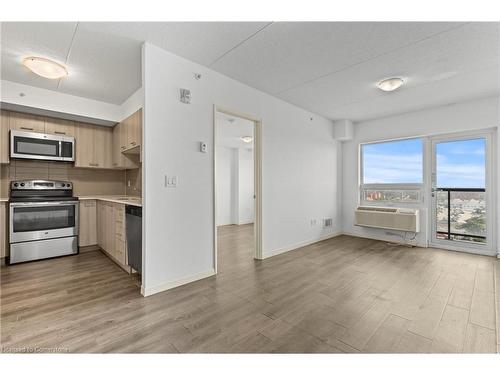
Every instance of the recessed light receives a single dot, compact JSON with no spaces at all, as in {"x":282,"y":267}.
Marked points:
{"x":45,"y":68}
{"x":246,"y":139}
{"x":390,"y":84}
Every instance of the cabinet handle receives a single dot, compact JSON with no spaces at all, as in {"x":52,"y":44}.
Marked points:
{"x":60,"y":132}
{"x":25,"y":128}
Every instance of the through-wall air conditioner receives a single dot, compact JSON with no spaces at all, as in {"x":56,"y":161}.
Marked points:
{"x":402,"y":219}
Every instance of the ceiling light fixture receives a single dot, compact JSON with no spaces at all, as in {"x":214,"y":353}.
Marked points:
{"x":246,"y":139}
{"x":390,"y":84}
{"x":45,"y":68}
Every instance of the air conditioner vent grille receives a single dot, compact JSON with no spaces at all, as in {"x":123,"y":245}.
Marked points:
{"x":393,"y":218}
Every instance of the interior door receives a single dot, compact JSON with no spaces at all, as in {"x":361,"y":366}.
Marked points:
{"x":461,"y":216}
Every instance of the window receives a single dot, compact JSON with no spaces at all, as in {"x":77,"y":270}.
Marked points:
{"x":392,"y":171}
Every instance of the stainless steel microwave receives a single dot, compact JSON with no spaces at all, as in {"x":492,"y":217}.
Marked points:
{"x":38,"y":146}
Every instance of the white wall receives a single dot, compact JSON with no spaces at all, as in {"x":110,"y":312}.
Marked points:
{"x":478,"y":114}
{"x":299,"y":171}
{"x":246,"y":204}
{"x":227,"y":185}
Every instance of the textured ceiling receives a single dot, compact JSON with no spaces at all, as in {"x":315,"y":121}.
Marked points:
{"x":326,"y":67}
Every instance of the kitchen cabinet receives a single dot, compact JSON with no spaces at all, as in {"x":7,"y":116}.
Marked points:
{"x":103,"y":146}
{"x":4,"y":246}
{"x":88,"y":223}
{"x":111,"y":232}
{"x":4,"y":137}
{"x":93,"y":146}
{"x":134,"y":129}
{"x":121,"y":160}
{"x":26,"y":122}
{"x":59,"y":127}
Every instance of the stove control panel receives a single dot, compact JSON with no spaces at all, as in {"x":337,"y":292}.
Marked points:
{"x":40,"y":185}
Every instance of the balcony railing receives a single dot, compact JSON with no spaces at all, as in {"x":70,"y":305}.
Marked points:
{"x":461,"y":214}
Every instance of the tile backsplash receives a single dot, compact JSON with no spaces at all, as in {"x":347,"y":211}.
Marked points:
{"x":85,"y":181}
{"x":135,"y":178}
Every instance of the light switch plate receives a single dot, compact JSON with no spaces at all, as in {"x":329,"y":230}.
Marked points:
{"x":171,"y":181}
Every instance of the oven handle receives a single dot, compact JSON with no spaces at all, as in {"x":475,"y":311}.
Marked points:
{"x":41,"y":204}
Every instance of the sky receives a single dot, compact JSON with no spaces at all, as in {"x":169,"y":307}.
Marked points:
{"x":459,"y":163}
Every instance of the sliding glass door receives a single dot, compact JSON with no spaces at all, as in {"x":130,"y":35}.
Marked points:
{"x":460,"y":193}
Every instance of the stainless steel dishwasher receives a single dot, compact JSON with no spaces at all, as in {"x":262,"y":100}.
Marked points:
{"x":133,"y":220}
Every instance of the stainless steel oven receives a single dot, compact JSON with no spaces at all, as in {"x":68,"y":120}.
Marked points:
{"x":43,"y":220}
{"x":38,"y":146}
{"x":31,"y":221}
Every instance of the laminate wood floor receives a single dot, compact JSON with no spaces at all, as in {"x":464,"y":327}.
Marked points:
{"x":345,"y":294}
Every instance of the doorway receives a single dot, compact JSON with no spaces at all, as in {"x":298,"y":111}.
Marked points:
{"x":462,"y":216}
{"x":237,"y":207}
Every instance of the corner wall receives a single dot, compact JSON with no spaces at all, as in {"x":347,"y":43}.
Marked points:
{"x":472,"y":115}
{"x":299,"y":169}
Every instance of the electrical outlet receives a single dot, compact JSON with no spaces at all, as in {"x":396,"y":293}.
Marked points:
{"x":128,"y":183}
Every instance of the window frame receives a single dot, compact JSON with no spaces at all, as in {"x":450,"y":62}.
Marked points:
{"x":416,"y":187}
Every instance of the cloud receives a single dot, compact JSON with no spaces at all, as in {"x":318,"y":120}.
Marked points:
{"x":392,"y":168}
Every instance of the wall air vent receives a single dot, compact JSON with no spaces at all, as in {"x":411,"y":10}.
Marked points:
{"x":327,"y":223}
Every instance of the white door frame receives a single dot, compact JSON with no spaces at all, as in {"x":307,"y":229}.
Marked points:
{"x":490,"y":247}
{"x":257,"y":137}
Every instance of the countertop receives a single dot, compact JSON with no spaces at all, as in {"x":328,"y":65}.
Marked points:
{"x":131,"y":201}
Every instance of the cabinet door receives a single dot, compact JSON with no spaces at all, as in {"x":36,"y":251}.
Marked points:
{"x":120,"y":160}
{"x":134,"y":129}
{"x":3,"y":230}
{"x":110,"y":233}
{"x":4,"y":137}
{"x":120,"y":240}
{"x":88,"y":223}
{"x":26,"y":122}
{"x":103,"y":144}
{"x":117,"y":153}
{"x":59,"y":127}
{"x":84,"y":147}
{"x":101,"y":224}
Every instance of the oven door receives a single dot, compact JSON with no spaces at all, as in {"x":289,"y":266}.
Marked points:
{"x":31,"y":221}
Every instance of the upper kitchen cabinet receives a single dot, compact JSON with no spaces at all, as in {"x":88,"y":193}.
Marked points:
{"x":4,"y":137}
{"x":93,"y":146}
{"x":134,"y":129}
{"x":127,"y":139}
{"x":59,"y":127}
{"x":121,"y":160}
{"x":26,"y":122}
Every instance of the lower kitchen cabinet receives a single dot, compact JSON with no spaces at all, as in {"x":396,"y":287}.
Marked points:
{"x":88,"y":223}
{"x":3,"y":231}
{"x":111,"y":231}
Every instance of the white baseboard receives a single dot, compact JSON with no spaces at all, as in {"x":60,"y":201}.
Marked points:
{"x":175,"y":283}
{"x":245,"y":222}
{"x":299,"y":245}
